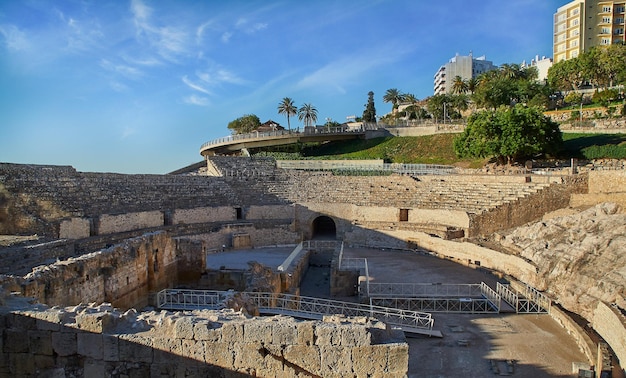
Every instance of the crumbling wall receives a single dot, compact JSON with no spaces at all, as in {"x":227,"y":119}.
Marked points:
{"x":123,"y":274}
{"x":203,"y":215}
{"x":529,"y":208}
{"x":101,"y":341}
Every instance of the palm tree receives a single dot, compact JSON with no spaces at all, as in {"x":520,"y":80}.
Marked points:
{"x":459,"y":85}
{"x":394,"y":96}
{"x":308,"y":113}
{"x":287,"y":108}
{"x":472,"y":84}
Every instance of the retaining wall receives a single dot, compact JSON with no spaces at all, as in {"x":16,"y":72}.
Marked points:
{"x":610,"y":323}
{"x":101,"y":341}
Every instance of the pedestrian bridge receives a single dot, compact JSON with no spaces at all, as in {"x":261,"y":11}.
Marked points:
{"x":414,"y":322}
{"x":235,"y":143}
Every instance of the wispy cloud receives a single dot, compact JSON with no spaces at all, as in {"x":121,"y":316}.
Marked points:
{"x":197,"y":100}
{"x":226,"y":37}
{"x":195,"y":86}
{"x":14,"y":38}
{"x":170,"y":42}
{"x":244,"y":25}
{"x":122,"y":69}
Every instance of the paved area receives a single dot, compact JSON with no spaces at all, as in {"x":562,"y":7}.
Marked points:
{"x":534,"y":345}
{"x":238,"y":259}
{"x":521,"y":346}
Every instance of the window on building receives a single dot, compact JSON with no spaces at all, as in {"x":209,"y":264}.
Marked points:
{"x":619,"y":9}
{"x":574,"y":22}
{"x":606,"y":20}
{"x":619,"y":20}
{"x":575,"y":12}
{"x":573,"y":44}
{"x":574,"y":54}
{"x":605,"y":31}
{"x":605,"y":41}
{"x":606,"y":9}
{"x":618,"y":31}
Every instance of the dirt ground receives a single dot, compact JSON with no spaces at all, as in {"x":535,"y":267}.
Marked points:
{"x":533,"y":345}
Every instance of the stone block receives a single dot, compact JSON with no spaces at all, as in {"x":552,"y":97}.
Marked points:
{"x":368,"y":360}
{"x":327,"y":334}
{"x":232,"y":332}
{"x":22,"y":363}
{"x":40,"y":342}
{"x":44,"y":362}
{"x":306,"y":357}
{"x":95,"y":322}
{"x":93,"y":368}
{"x":89,"y":345}
{"x":306,"y":333}
{"x":49,"y":321}
{"x":193,"y":349}
{"x":219,"y":354}
{"x":398,"y":358}
{"x":249,"y":355}
{"x":335,"y":361}
{"x":135,"y":348}
{"x":257,"y":331}
{"x":110,"y":346}
{"x":204,"y":331}
{"x":21,"y":321}
{"x":355,"y":335}
{"x":284,"y":333}
{"x":64,"y":343}
{"x":183,"y":328}
{"x":15,"y":340}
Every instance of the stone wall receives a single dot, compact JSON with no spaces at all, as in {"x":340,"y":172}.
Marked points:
{"x":586,"y":345}
{"x":610,"y":323}
{"x":123,"y":274}
{"x":101,"y":341}
{"x":528,"y":208}
{"x":203,"y":215}
{"x":75,"y":228}
{"x":112,"y":224}
{"x":601,"y":182}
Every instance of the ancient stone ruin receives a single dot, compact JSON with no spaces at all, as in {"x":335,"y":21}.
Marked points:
{"x":113,"y":241}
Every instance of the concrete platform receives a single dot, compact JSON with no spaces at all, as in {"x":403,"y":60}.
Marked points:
{"x":238,"y":259}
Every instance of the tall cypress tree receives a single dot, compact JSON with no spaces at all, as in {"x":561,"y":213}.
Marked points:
{"x":369,"y":114}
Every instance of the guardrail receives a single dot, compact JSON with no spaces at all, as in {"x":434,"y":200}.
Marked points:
{"x":451,"y":305}
{"x":377,"y":289}
{"x":287,"y":304}
{"x":528,"y":301}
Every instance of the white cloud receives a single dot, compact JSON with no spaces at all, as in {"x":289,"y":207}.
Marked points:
{"x":226,"y":37}
{"x":118,"y":87}
{"x":197,"y":100}
{"x":122,"y":69}
{"x":14,"y":38}
{"x":195,"y":86}
{"x":169,"y":41}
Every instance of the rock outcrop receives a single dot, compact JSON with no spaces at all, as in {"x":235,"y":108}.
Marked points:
{"x":580,"y":256}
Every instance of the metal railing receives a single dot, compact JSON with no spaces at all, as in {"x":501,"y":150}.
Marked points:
{"x":529,"y":301}
{"x":292,"y":305}
{"x":278,"y":134}
{"x":377,"y":289}
{"x":453,"y":305}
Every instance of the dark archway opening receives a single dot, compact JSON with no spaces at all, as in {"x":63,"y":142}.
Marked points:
{"x":324,"y":228}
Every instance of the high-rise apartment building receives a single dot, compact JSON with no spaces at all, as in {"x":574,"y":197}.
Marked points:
{"x":466,"y":67}
{"x":582,"y":24}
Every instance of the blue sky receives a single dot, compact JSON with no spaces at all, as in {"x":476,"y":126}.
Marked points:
{"x":136,"y":86}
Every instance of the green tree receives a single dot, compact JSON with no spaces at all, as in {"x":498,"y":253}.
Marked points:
{"x":394,"y":96}
{"x":244,"y":124}
{"x":308,"y":114}
{"x":369,"y":114}
{"x":287,"y":107}
{"x":508,"y":134}
{"x":459,"y":85}
{"x":472,"y":84}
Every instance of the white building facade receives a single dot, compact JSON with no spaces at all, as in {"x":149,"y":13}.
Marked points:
{"x":467,"y":67}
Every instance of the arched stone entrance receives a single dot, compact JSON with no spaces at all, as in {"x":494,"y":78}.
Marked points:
{"x":324,"y":228}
